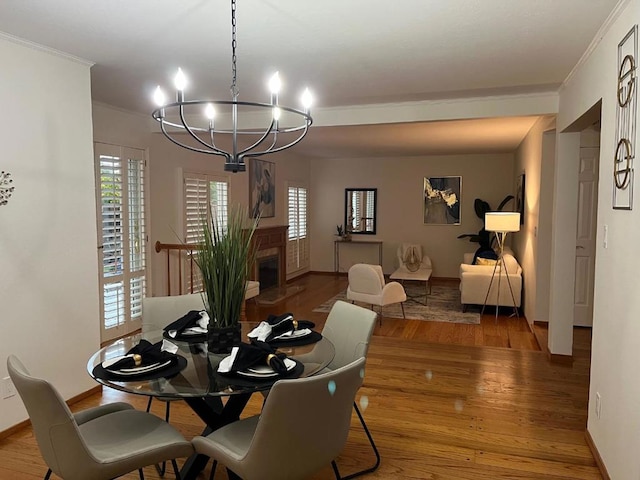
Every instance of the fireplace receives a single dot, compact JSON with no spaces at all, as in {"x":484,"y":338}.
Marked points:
{"x":268,"y":274}
{"x":270,"y":243}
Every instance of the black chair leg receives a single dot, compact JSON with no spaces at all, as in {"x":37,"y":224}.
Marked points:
{"x":373,"y":445}
{"x":213,"y":469}
{"x":175,"y":469}
{"x":149,"y":404}
{"x":335,"y":470}
{"x":141,"y":474}
{"x":47,"y":475}
{"x":402,"y":306}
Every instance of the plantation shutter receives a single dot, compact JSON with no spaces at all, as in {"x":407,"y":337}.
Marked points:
{"x":368,"y":224}
{"x":298,"y":241}
{"x":120,"y":175}
{"x":206,"y":197}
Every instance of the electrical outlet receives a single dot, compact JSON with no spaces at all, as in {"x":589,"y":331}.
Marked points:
{"x":598,"y":405}
{"x":7,"y":387}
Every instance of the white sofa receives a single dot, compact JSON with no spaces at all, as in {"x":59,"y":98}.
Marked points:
{"x":475,"y":279}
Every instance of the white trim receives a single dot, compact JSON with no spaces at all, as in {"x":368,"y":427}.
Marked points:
{"x":604,"y":28}
{"x":45,"y":49}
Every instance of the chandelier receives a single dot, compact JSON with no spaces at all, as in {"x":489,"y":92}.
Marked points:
{"x":281,"y":127}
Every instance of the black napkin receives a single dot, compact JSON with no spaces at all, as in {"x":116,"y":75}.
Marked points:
{"x":258,"y":353}
{"x":149,"y":353}
{"x":186,"y":321}
{"x":285,"y":323}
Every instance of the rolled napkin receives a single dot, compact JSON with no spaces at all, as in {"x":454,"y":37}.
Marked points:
{"x":194,"y":321}
{"x":247,"y":355}
{"x":143,"y":354}
{"x":277,"y":325}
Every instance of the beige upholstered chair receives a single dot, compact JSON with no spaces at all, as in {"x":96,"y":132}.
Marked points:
{"x":303,"y":426}
{"x":349,"y":327}
{"x":366,"y":285}
{"x":100,"y":443}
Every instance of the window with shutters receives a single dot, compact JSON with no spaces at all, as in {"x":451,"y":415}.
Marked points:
{"x":298,"y":239}
{"x":120,"y":177}
{"x":206,"y":198}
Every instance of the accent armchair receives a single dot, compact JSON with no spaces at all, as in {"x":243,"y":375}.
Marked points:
{"x":367,"y":285}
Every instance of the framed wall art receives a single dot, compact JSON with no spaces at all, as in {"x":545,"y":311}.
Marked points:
{"x":441,"y":200}
{"x":520,"y":197}
{"x":262,"y":188}
{"x":626,"y":105}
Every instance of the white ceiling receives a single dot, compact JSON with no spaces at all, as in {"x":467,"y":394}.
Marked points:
{"x":349,"y":52}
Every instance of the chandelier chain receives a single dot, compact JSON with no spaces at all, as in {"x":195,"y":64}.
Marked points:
{"x":234,"y":43}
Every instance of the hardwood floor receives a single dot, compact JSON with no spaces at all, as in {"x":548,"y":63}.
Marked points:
{"x":440,"y":404}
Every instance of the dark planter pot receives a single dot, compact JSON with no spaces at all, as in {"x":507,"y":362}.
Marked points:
{"x":221,"y":340}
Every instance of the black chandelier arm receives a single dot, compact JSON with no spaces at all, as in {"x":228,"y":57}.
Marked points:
{"x":281,"y":148}
{"x":266,"y":133}
{"x":186,"y":126}
{"x":193,"y":149}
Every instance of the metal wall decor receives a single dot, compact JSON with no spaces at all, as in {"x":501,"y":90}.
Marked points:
{"x":626,"y":106}
{"x":6,"y":189}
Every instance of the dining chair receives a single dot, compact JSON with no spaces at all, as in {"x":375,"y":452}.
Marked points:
{"x":101,"y":443}
{"x":157,"y":313}
{"x":349,"y":327}
{"x":367,"y":285}
{"x":303,"y":426}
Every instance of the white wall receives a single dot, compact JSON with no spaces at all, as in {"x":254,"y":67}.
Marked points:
{"x":534,"y":257}
{"x":400,"y":202}
{"x":48,"y":259}
{"x":616,"y":325}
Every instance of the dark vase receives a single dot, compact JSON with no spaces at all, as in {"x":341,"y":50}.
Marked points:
{"x":221,"y":339}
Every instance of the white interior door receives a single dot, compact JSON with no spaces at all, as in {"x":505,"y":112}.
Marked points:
{"x":586,"y":231}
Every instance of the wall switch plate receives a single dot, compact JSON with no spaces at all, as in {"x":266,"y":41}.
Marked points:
{"x":605,"y":240}
{"x":7,"y":388}
{"x":598,"y":405}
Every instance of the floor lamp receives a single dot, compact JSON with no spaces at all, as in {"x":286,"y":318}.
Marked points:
{"x":501,"y":223}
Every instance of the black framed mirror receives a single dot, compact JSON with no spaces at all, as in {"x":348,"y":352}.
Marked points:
{"x":360,"y":206}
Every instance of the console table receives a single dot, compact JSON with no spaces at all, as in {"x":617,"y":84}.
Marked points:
{"x":338,"y":243}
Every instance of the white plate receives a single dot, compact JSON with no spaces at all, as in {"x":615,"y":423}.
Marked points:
{"x":265,"y":371}
{"x":294,"y":335}
{"x":135,"y":370}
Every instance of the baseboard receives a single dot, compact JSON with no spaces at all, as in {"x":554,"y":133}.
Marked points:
{"x":25,"y":423}
{"x":596,"y":456}
{"x":560,"y":359}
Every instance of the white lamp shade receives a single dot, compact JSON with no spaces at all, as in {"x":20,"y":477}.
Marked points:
{"x":502,"y":221}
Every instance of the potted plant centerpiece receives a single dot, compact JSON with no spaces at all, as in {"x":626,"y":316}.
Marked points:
{"x":225,"y":259}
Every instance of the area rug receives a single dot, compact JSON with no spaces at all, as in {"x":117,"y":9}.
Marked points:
{"x":443,"y":305}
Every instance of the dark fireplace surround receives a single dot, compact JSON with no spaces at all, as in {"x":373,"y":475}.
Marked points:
{"x":270,"y":268}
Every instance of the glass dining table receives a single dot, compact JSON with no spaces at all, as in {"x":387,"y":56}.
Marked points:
{"x":199,"y":384}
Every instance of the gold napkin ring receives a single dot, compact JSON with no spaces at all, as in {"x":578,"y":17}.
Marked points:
{"x":137,"y":359}
{"x":295,"y":324}
{"x":269,"y":357}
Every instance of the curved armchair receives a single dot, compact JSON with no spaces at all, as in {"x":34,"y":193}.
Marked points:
{"x":366,"y":285}
{"x":303,"y":426}
{"x":101,"y":443}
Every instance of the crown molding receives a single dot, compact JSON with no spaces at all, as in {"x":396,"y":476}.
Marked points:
{"x":604,"y":28}
{"x":42,"y":48}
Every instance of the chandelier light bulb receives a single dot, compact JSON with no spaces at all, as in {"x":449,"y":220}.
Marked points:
{"x":209,"y":111}
{"x":276,"y":113}
{"x":180,"y":80}
{"x":158,"y":97}
{"x":275,"y":83}
{"x":307,"y":99}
